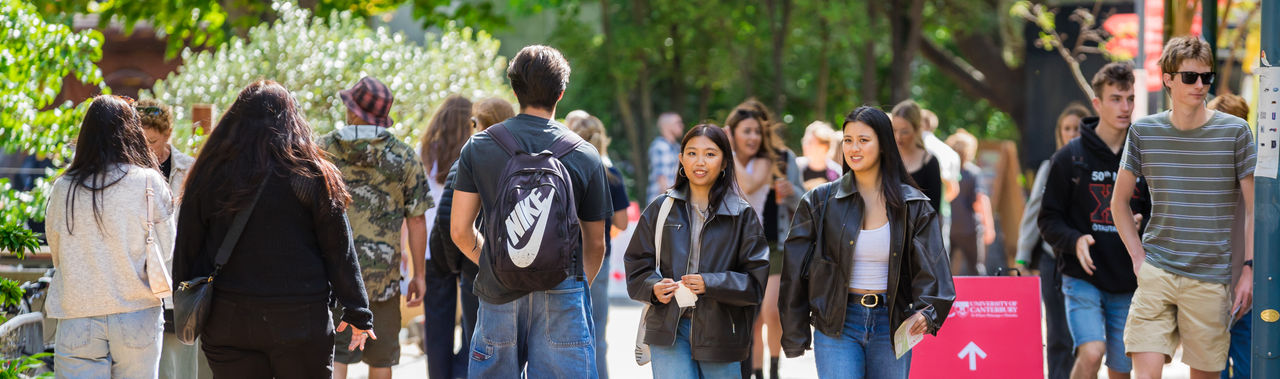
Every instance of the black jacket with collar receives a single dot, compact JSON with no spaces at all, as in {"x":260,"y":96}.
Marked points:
{"x":734,"y":265}
{"x":919,"y":268}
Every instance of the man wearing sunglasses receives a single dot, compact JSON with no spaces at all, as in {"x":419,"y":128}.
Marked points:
{"x":1196,"y":162}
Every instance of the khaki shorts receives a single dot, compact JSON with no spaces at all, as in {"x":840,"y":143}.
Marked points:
{"x":382,"y":352}
{"x":1167,"y":308}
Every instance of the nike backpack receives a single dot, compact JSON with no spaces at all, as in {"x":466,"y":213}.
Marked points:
{"x":532,"y":228}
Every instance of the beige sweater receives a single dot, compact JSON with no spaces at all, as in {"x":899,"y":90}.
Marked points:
{"x":101,"y":267}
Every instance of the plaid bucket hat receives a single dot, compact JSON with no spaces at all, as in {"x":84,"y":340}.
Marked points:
{"x":370,"y":100}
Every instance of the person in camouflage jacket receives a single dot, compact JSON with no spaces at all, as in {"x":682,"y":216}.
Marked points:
{"x":388,"y":189}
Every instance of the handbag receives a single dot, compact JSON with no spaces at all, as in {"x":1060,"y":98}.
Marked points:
{"x":192,"y":300}
{"x":157,"y":275}
{"x":642,"y":349}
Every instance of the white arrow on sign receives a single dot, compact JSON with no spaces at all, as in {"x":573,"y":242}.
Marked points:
{"x":974,"y":352}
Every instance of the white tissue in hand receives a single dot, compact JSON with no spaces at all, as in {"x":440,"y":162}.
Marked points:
{"x":685,"y":296}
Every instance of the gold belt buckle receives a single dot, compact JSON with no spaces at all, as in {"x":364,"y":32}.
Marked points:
{"x":875,"y":300}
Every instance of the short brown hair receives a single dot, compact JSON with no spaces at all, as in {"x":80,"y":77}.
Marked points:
{"x":1118,"y":74}
{"x":491,"y":111}
{"x":539,"y":74}
{"x":1232,"y":104}
{"x":1182,"y":48}
{"x":154,"y":115}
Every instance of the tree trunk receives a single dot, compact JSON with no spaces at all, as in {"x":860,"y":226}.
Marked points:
{"x":869,"y":86}
{"x":824,"y":69}
{"x":677,"y":73}
{"x":646,"y":103}
{"x":905,"y":17}
{"x":779,"y":22}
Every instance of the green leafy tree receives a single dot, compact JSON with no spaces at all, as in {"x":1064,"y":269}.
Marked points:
{"x":317,"y":57}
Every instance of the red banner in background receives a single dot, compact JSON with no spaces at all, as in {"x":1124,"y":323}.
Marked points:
{"x":993,"y":331}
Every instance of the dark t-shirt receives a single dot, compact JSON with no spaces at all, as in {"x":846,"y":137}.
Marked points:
{"x":166,"y":167}
{"x":929,"y":179}
{"x":964,"y":219}
{"x":482,"y":160}
{"x":618,"y":194}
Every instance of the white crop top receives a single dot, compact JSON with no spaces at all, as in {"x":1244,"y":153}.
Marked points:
{"x":871,"y":260}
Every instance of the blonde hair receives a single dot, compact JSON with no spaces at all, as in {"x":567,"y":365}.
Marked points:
{"x":591,"y":129}
{"x":910,"y":111}
{"x":964,"y":144}
{"x":491,"y":111}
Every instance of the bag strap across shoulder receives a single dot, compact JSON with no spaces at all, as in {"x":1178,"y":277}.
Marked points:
{"x":237,"y":227}
{"x":657,"y":234}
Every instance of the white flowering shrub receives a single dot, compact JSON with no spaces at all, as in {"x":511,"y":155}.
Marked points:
{"x":317,"y":57}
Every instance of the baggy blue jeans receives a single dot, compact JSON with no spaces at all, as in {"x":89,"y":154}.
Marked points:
{"x":545,"y":334}
{"x":676,"y":361}
{"x":121,"y":345}
{"x":864,"y":348}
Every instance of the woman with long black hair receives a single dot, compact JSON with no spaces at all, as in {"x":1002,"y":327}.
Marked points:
{"x":269,"y":314}
{"x":713,"y":256}
{"x":864,"y":257}
{"x":100,"y":218}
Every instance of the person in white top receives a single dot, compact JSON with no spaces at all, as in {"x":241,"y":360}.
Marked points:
{"x":97,"y":220}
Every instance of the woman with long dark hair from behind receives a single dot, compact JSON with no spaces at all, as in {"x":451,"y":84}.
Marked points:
{"x":893,"y":272}
{"x":441,"y":142}
{"x":720,"y":260}
{"x":269,"y":314}
{"x":98,"y":217}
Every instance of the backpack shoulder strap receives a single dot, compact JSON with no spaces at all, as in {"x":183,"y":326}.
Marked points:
{"x":657,"y":233}
{"x":566,"y":144}
{"x":504,"y":139}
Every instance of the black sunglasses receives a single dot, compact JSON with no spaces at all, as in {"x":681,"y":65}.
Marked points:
{"x":1189,"y":77}
{"x":150,"y":111}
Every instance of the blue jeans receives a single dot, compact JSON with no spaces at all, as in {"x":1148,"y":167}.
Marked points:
{"x":864,"y":348}
{"x":600,"y":316}
{"x":676,"y":361}
{"x":121,"y":345}
{"x":1238,"y":357}
{"x":1097,"y":315}
{"x":545,"y":334}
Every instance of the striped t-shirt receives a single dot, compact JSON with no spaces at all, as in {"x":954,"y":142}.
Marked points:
{"x":1194,"y":179}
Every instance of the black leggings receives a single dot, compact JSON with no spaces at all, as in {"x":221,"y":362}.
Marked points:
{"x":268,"y":339}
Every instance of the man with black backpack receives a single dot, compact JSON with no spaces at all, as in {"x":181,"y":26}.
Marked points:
{"x":1075,"y":218}
{"x":543,"y":193}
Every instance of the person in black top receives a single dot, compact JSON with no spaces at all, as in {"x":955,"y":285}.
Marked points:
{"x":270,"y":313}
{"x":1076,"y":220}
{"x":923,"y":167}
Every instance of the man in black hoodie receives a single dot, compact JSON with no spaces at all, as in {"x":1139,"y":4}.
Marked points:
{"x":1075,"y":218}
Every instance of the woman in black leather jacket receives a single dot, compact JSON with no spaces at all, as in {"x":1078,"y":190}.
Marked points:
{"x":878,"y":264}
{"x":714,"y":246}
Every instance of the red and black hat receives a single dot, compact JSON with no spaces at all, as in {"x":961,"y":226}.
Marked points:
{"x":370,"y":100}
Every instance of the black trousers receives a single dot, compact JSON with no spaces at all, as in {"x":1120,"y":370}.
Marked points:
{"x":1059,"y":348}
{"x":268,"y":339}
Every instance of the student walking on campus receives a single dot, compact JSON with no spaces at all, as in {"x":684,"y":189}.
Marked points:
{"x":891,"y":270}
{"x":924,"y":168}
{"x":1196,"y":162}
{"x":389,"y":189}
{"x":270,"y":315}
{"x":1076,"y":219}
{"x":543,"y":236}
{"x":109,"y":218}
{"x":1033,"y":252}
{"x":713,"y":250}
{"x":177,"y":360}
{"x":972,"y":221}
{"x":663,"y":149}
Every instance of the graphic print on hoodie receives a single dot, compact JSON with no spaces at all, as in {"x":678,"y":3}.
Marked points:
{"x":1077,"y":201}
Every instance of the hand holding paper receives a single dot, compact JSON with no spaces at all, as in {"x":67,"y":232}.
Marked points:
{"x":910,"y":333}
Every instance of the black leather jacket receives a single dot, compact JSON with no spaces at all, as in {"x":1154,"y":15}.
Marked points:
{"x":919,"y":268}
{"x":734,"y":265}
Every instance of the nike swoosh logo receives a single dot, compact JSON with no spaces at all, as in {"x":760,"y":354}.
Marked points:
{"x":523,"y":244}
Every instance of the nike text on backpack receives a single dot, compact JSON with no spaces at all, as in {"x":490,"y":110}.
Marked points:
{"x":535,"y":232}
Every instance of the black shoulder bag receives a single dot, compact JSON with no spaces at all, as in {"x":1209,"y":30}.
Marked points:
{"x":193,"y":298}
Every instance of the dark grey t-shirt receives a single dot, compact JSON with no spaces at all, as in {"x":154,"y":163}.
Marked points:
{"x":482,"y":162}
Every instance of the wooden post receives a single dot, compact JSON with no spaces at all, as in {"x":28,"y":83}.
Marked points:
{"x":202,"y":118}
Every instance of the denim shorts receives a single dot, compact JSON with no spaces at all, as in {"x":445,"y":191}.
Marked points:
{"x":1097,"y":315}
